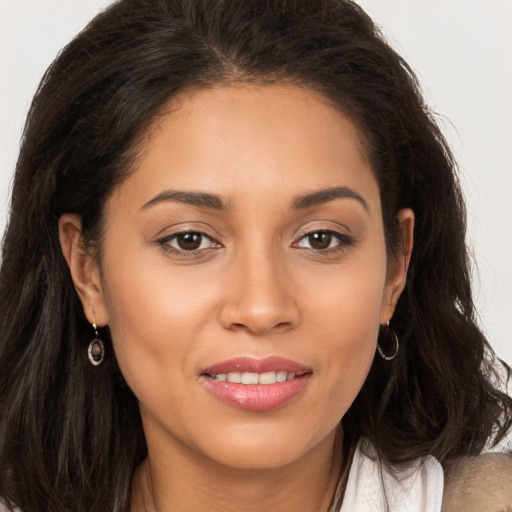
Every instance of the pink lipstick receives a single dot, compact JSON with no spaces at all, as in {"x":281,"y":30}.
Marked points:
{"x":256,"y":384}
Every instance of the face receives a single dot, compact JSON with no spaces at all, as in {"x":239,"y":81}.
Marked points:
{"x":244,"y":274}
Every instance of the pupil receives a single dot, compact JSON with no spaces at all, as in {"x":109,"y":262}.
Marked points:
{"x":189,"y":241}
{"x":320,"y":240}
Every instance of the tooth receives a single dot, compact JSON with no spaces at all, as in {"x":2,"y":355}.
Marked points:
{"x":249,"y":378}
{"x":254,"y":378}
{"x":268,"y":378}
{"x":235,"y":377}
{"x":281,"y":377}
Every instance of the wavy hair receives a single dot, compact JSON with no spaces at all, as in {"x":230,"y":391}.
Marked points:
{"x":70,"y":433}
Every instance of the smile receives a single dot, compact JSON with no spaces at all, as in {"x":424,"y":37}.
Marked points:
{"x":254,"y":378}
{"x":256,"y":384}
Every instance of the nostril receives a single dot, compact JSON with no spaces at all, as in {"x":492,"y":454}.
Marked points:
{"x":258,"y":314}
{"x":237,"y":326}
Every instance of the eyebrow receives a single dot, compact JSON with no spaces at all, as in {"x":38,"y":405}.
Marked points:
{"x":325,"y":195}
{"x":215,"y":202}
{"x":200,"y":199}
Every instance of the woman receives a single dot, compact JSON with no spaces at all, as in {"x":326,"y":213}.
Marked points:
{"x":234,"y":275}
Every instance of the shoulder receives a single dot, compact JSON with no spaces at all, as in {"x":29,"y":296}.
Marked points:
{"x":479,"y":484}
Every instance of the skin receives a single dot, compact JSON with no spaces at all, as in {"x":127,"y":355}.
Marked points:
{"x":255,"y":287}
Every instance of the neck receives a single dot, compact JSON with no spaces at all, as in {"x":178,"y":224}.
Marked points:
{"x":192,"y":483}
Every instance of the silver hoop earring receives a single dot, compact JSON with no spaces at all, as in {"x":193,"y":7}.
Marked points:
{"x":381,"y":352}
{"x":96,"y":350}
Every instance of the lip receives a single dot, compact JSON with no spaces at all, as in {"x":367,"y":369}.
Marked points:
{"x":251,"y":364}
{"x":256,"y":397}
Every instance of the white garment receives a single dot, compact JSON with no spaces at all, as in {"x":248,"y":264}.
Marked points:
{"x":417,"y":489}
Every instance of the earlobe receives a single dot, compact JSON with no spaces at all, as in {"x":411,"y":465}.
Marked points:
{"x":84,"y":268}
{"x":399,"y":264}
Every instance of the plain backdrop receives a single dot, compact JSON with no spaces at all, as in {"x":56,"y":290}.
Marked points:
{"x":460,"y":49}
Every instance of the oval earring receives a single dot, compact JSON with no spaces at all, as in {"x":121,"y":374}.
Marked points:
{"x":96,"y":349}
{"x":381,"y":352}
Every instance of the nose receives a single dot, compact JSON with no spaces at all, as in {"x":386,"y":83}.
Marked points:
{"x":260,"y":295}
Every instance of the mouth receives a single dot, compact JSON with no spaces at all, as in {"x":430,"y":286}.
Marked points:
{"x":251,"y":378}
{"x":256,"y":384}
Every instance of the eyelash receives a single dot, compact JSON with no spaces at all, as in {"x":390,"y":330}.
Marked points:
{"x":343,"y":241}
{"x":165,"y":243}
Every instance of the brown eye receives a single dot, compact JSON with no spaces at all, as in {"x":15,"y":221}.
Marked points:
{"x":320,"y":240}
{"x":189,"y":241}
{"x":326,"y":241}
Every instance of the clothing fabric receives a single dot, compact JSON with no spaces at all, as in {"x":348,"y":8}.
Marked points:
{"x":371,"y":486}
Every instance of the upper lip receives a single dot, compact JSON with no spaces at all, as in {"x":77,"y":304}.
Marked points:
{"x":254,"y":365}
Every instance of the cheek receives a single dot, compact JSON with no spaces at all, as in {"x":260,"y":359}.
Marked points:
{"x":348,"y":299}
{"x":351,"y":355}
{"x":155,"y":318}
{"x":344,"y":317}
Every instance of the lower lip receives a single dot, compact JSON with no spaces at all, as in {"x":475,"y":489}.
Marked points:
{"x":257,"y":397}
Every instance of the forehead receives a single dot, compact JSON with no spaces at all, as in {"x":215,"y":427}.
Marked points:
{"x":244,"y":138}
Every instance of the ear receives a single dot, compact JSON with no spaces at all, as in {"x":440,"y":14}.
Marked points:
{"x":398,"y":265}
{"x":84,"y":268}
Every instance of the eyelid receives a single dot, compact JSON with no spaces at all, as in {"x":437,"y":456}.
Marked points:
{"x":345,"y":239}
{"x":164,"y":243}
{"x":340,"y":236}
{"x":200,"y":233}
{"x":324,"y":226}
{"x":191,"y":226}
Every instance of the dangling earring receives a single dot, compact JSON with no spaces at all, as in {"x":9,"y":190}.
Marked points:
{"x":96,"y":350}
{"x":381,"y":352}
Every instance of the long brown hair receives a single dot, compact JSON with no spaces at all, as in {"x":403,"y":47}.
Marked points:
{"x":70,"y":433}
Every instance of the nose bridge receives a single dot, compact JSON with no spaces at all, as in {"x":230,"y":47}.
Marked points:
{"x":260,"y":298}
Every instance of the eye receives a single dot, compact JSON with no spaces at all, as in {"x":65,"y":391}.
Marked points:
{"x":189,"y":241}
{"x":323,"y":240}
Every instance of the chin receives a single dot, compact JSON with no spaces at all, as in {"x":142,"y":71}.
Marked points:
{"x":253,"y":450}
{"x":254,"y":459}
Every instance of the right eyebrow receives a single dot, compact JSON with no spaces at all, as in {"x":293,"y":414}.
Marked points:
{"x":200,"y":199}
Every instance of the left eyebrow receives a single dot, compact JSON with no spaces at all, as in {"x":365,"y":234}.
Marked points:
{"x":325,"y":195}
